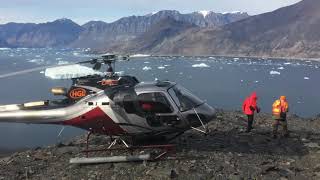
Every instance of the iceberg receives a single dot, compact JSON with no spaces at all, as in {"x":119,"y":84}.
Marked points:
{"x":201,"y":65}
{"x":146,"y":68}
{"x":140,"y":55}
{"x":275,"y":73}
{"x":70,"y":71}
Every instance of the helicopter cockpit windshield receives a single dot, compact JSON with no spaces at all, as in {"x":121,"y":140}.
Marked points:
{"x":183,"y":98}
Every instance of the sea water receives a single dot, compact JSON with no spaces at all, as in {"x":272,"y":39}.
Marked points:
{"x":224,"y":82}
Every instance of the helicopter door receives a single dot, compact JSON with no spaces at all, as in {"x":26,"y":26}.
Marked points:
{"x":157,"y":109}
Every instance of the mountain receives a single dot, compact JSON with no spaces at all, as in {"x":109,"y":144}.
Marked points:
{"x":157,"y":34}
{"x":100,"y":35}
{"x":291,"y":31}
{"x":59,"y":33}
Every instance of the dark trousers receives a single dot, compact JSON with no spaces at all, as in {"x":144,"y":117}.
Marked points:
{"x":280,"y":122}
{"x":250,"y":122}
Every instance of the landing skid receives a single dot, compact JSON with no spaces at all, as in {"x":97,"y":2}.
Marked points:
{"x":159,"y":152}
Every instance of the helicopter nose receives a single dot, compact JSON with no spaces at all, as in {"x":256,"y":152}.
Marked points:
{"x":204,"y":112}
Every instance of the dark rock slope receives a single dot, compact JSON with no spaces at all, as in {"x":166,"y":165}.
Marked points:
{"x":287,"y":32}
{"x":226,"y":153}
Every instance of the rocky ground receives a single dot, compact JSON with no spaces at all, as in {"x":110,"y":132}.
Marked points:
{"x":226,"y":153}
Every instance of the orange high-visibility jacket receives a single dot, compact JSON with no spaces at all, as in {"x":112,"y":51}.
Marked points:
{"x":279,"y":106}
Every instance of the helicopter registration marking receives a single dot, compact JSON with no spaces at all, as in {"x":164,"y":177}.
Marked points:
{"x":77,"y":93}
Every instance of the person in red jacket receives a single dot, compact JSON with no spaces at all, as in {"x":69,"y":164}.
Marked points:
{"x":249,"y":107}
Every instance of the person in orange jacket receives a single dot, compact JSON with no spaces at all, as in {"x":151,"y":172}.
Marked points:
{"x":249,"y":106}
{"x":280,"y":107}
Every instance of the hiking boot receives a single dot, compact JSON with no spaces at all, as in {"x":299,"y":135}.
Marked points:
{"x":274,"y":136}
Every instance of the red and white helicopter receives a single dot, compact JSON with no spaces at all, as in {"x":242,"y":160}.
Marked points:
{"x":117,"y":106}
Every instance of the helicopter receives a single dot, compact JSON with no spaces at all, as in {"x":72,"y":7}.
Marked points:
{"x":116,"y":105}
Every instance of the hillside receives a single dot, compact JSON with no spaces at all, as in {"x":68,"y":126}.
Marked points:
{"x":287,"y":32}
{"x":98,"y":34}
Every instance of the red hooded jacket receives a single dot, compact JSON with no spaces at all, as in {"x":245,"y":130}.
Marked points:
{"x":250,"y":104}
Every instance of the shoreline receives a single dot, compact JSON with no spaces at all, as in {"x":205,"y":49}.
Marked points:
{"x":256,"y":57}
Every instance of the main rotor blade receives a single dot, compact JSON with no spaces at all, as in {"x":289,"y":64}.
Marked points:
{"x":32,"y":70}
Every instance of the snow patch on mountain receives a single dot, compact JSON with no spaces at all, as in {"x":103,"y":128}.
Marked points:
{"x":204,"y":13}
{"x":234,"y":12}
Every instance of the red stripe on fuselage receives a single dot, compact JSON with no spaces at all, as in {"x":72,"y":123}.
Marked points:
{"x":96,"y":121}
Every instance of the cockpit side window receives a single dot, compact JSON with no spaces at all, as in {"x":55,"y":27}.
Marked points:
{"x":154,"y":102}
{"x":183,"y":98}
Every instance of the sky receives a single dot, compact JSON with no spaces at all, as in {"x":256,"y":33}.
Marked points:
{"x":82,"y":11}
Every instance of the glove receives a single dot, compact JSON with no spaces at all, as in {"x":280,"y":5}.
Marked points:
{"x":258,"y":110}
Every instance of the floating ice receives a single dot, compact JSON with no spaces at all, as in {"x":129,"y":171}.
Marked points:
{"x":235,"y":59}
{"x":287,"y":63}
{"x":201,"y":65}
{"x":166,"y":65}
{"x":256,"y":81}
{"x":275,"y":73}
{"x":161,"y":67}
{"x":119,"y":73}
{"x":306,"y":78}
{"x":280,"y":68}
{"x":4,"y":49}
{"x":70,"y":71}
{"x":62,"y":62}
{"x":146,"y":62}
{"x":146,"y":68}
{"x":37,"y":61}
{"x":140,"y":55}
